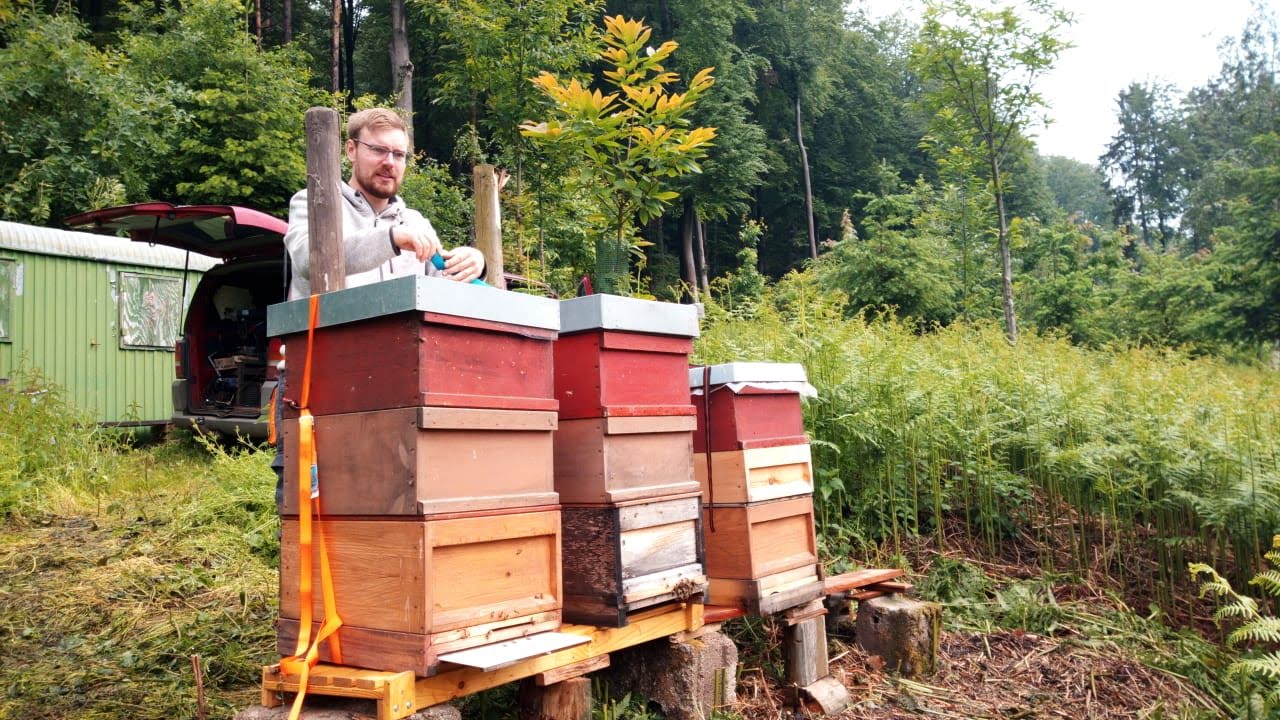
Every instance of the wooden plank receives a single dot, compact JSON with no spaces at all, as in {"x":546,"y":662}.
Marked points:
{"x":625,"y":425}
{"x":828,"y":693}
{"x":572,"y":670}
{"x":802,"y":613}
{"x":645,"y":551}
{"x":859,"y":578}
{"x":643,"y":627}
{"x":659,"y":512}
{"x":720,"y":613}
{"x":688,"y":580}
{"x":458,"y":418}
{"x":509,"y":652}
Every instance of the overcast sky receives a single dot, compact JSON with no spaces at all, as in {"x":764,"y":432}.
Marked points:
{"x":1117,"y":42}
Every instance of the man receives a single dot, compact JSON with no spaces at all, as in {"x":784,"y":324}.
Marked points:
{"x":382,"y":238}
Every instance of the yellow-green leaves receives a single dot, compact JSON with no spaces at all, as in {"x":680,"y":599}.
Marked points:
{"x":629,"y":137}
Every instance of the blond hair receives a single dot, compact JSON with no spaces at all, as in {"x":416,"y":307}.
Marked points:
{"x":375,"y":119}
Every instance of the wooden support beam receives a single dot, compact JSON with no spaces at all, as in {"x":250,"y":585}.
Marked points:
{"x":805,"y":652}
{"x":566,"y":700}
{"x":488,"y":221}
{"x":642,"y":627}
{"x":560,"y":674}
{"x":393,"y":692}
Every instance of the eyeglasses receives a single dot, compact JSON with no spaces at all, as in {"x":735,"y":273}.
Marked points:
{"x":380,"y":152}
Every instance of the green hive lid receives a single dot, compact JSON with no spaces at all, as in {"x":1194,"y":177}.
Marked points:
{"x":613,"y":312}
{"x":749,"y":373}
{"x":416,"y":293}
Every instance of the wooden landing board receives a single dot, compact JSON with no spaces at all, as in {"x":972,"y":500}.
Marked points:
{"x":452,"y":683}
{"x":509,"y":652}
{"x":845,"y":582}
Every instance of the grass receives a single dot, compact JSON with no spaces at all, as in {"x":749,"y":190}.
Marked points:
{"x":118,"y":564}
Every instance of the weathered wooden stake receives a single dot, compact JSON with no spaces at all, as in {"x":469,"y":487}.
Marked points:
{"x":328,"y":264}
{"x":488,"y":222}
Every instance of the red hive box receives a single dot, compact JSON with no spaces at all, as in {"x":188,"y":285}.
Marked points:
{"x":750,"y":405}
{"x":621,"y":356}
{"x":417,"y":341}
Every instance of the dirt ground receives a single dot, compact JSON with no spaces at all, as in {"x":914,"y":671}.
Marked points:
{"x":1003,"y":675}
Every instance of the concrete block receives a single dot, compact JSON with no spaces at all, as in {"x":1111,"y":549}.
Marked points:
{"x":688,"y":679}
{"x":903,"y":631}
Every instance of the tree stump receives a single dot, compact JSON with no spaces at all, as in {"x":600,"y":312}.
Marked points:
{"x":902,"y":631}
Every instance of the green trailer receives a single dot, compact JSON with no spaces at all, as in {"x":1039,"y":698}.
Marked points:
{"x":97,"y":316}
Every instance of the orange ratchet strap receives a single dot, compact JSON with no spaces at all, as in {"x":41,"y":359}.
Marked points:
{"x":307,"y":651}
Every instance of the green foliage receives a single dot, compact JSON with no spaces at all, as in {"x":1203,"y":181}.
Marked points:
{"x":894,"y":269}
{"x":429,"y":187}
{"x":45,"y":442}
{"x":77,"y":118}
{"x":242,"y":108}
{"x":909,"y":429}
{"x":1256,"y":670}
{"x":628,"y":143}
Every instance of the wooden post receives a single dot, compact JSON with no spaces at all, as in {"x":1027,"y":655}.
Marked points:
{"x":566,"y":700}
{"x":324,"y":212}
{"x":488,"y":223}
{"x":806,"y":651}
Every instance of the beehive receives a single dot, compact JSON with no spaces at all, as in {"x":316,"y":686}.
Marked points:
{"x":434,"y":418}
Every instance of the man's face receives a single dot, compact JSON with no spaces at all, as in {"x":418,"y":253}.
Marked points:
{"x":375,"y":171}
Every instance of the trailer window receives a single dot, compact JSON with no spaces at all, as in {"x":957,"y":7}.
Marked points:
{"x":7,"y":279}
{"x":150,"y":310}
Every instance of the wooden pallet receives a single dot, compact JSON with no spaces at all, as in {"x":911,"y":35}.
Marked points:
{"x":393,"y":692}
{"x":398,"y":695}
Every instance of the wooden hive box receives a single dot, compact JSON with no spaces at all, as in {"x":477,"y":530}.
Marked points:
{"x":623,"y":356}
{"x":749,"y":405}
{"x":621,"y":558}
{"x":427,"y":460}
{"x":416,"y":341}
{"x":619,"y":459}
{"x":410,"y":590}
{"x":762,"y":556}
{"x":755,"y":475}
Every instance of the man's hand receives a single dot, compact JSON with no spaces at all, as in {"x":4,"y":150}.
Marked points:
{"x":416,"y":239}
{"x":463,"y":264}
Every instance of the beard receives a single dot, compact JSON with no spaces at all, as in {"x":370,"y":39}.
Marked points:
{"x":374,"y":182}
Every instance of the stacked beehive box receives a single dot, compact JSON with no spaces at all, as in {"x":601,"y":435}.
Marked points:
{"x":624,"y":457}
{"x":753,"y":464}
{"x":434,"y":416}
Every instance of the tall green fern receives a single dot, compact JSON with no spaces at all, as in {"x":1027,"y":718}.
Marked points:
{"x":1257,"y":672}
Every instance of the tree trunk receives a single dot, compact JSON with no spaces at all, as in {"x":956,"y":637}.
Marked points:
{"x":702,"y":261}
{"x":349,"y":46}
{"x":287,"y":11}
{"x":687,"y":221}
{"x":1006,"y":259}
{"x":257,"y":22}
{"x":402,"y":67}
{"x":335,"y":46}
{"x":808,"y":187}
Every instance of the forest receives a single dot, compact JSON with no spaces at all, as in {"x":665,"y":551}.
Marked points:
{"x":1040,"y":381}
